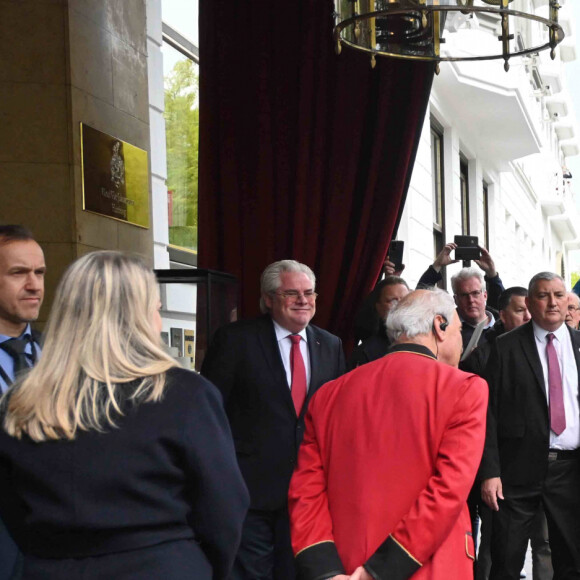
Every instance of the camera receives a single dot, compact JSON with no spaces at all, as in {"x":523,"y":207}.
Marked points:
{"x":467,"y":248}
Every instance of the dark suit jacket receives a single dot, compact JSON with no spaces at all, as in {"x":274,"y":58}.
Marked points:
{"x":368,"y":350}
{"x":518,"y":430}
{"x":244,"y":362}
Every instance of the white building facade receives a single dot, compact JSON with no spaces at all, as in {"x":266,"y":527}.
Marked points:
{"x":493,"y":153}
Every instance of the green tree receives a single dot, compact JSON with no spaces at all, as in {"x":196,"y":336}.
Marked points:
{"x":574,"y":277}
{"x":182,"y":136}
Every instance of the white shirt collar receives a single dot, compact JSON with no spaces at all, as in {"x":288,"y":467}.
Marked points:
{"x":489,"y":324}
{"x":282,"y":332}
{"x":540,"y":333}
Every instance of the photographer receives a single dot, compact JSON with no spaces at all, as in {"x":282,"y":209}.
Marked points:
{"x":475,"y":305}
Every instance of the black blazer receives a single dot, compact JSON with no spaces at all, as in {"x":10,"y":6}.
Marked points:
{"x":162,"y":488}
{"x":244,"y":362}
{"x":518,"y":428}
{"x":370,"y":349}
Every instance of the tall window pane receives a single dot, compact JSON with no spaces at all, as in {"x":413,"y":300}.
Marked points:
{"x":464,"y":199}
{"x":437,"y":189}
{"x":485,"y":213}
{"x":181,"y":81}
{"x":437,"y":192}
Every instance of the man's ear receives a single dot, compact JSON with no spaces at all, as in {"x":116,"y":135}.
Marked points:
{"x":439,"y":326}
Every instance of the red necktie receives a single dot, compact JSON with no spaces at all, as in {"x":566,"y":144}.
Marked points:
{"x":557,"y":412}
{"x":298,"y":387}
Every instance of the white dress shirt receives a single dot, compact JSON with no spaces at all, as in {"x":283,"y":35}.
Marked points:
{"x":570,"y":437}
{"x":285,"y":346}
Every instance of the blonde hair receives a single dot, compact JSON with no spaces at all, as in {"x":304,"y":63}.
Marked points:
{"x":99,"y":337}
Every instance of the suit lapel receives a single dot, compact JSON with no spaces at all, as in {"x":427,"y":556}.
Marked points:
{"x":314,"y":354}
{"x":271,"y":351}
{"x":531,"y":353}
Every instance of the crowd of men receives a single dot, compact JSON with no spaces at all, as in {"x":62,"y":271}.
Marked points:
{"x":457,"y":409}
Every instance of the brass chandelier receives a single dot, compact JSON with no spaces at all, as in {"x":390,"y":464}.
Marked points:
{"x":416,"y":29}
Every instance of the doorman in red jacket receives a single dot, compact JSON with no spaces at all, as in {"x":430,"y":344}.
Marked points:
{"x":389,"y":456}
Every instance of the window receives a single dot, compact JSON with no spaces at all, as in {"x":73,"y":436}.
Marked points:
{"x":464,"y":197}
{"x":485,"y":215}
{"x":437,"y":189}
{"x":181,"y":85}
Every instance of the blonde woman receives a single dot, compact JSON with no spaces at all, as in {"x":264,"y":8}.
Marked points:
{"x":114,"y":462}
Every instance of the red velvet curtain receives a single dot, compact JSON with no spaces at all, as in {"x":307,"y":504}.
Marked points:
{"x":303,"y":154}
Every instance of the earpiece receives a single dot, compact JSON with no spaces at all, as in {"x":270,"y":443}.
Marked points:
{"x":442,"y":326}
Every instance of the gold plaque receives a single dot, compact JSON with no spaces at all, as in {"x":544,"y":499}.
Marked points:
{"x":115,"y":177}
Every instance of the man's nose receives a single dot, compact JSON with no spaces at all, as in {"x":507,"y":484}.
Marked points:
{"x":33,"y":282}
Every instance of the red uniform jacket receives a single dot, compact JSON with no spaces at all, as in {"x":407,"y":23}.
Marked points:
{"x":389,"y":455}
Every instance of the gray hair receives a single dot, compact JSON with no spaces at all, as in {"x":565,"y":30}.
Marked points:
{"x":414,"y":314}
{"x":543,"y":276}
{"x":463,"y":275}
{"x":270,"y":279}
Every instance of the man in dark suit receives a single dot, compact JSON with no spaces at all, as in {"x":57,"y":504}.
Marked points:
{"x":21,"y":292}
{"x":267,"y":370}
{"x":532,"y":455}
{"x":385,"y":296}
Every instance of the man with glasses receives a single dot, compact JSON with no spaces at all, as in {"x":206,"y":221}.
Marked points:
{"x":573,"y":312}
{"x":473,"y":302}
{"x":267,"y":370}
{"x":471,"y":299}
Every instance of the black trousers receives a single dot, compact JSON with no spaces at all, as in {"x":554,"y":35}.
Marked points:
{"x":512,"y":524}
{"x":265,"y":551}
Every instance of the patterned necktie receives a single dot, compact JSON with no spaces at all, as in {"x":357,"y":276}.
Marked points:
{"x":15,"y":348}
{"x":298,"y":387}
{"x":557,"y":412}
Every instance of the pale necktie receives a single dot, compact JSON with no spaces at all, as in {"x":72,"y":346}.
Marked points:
{"x":557,"y":412}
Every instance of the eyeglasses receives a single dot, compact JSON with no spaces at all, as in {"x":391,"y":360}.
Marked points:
{"x":294,"y":295}
{"x":572,"y":308}
{"x":475,"y":294}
